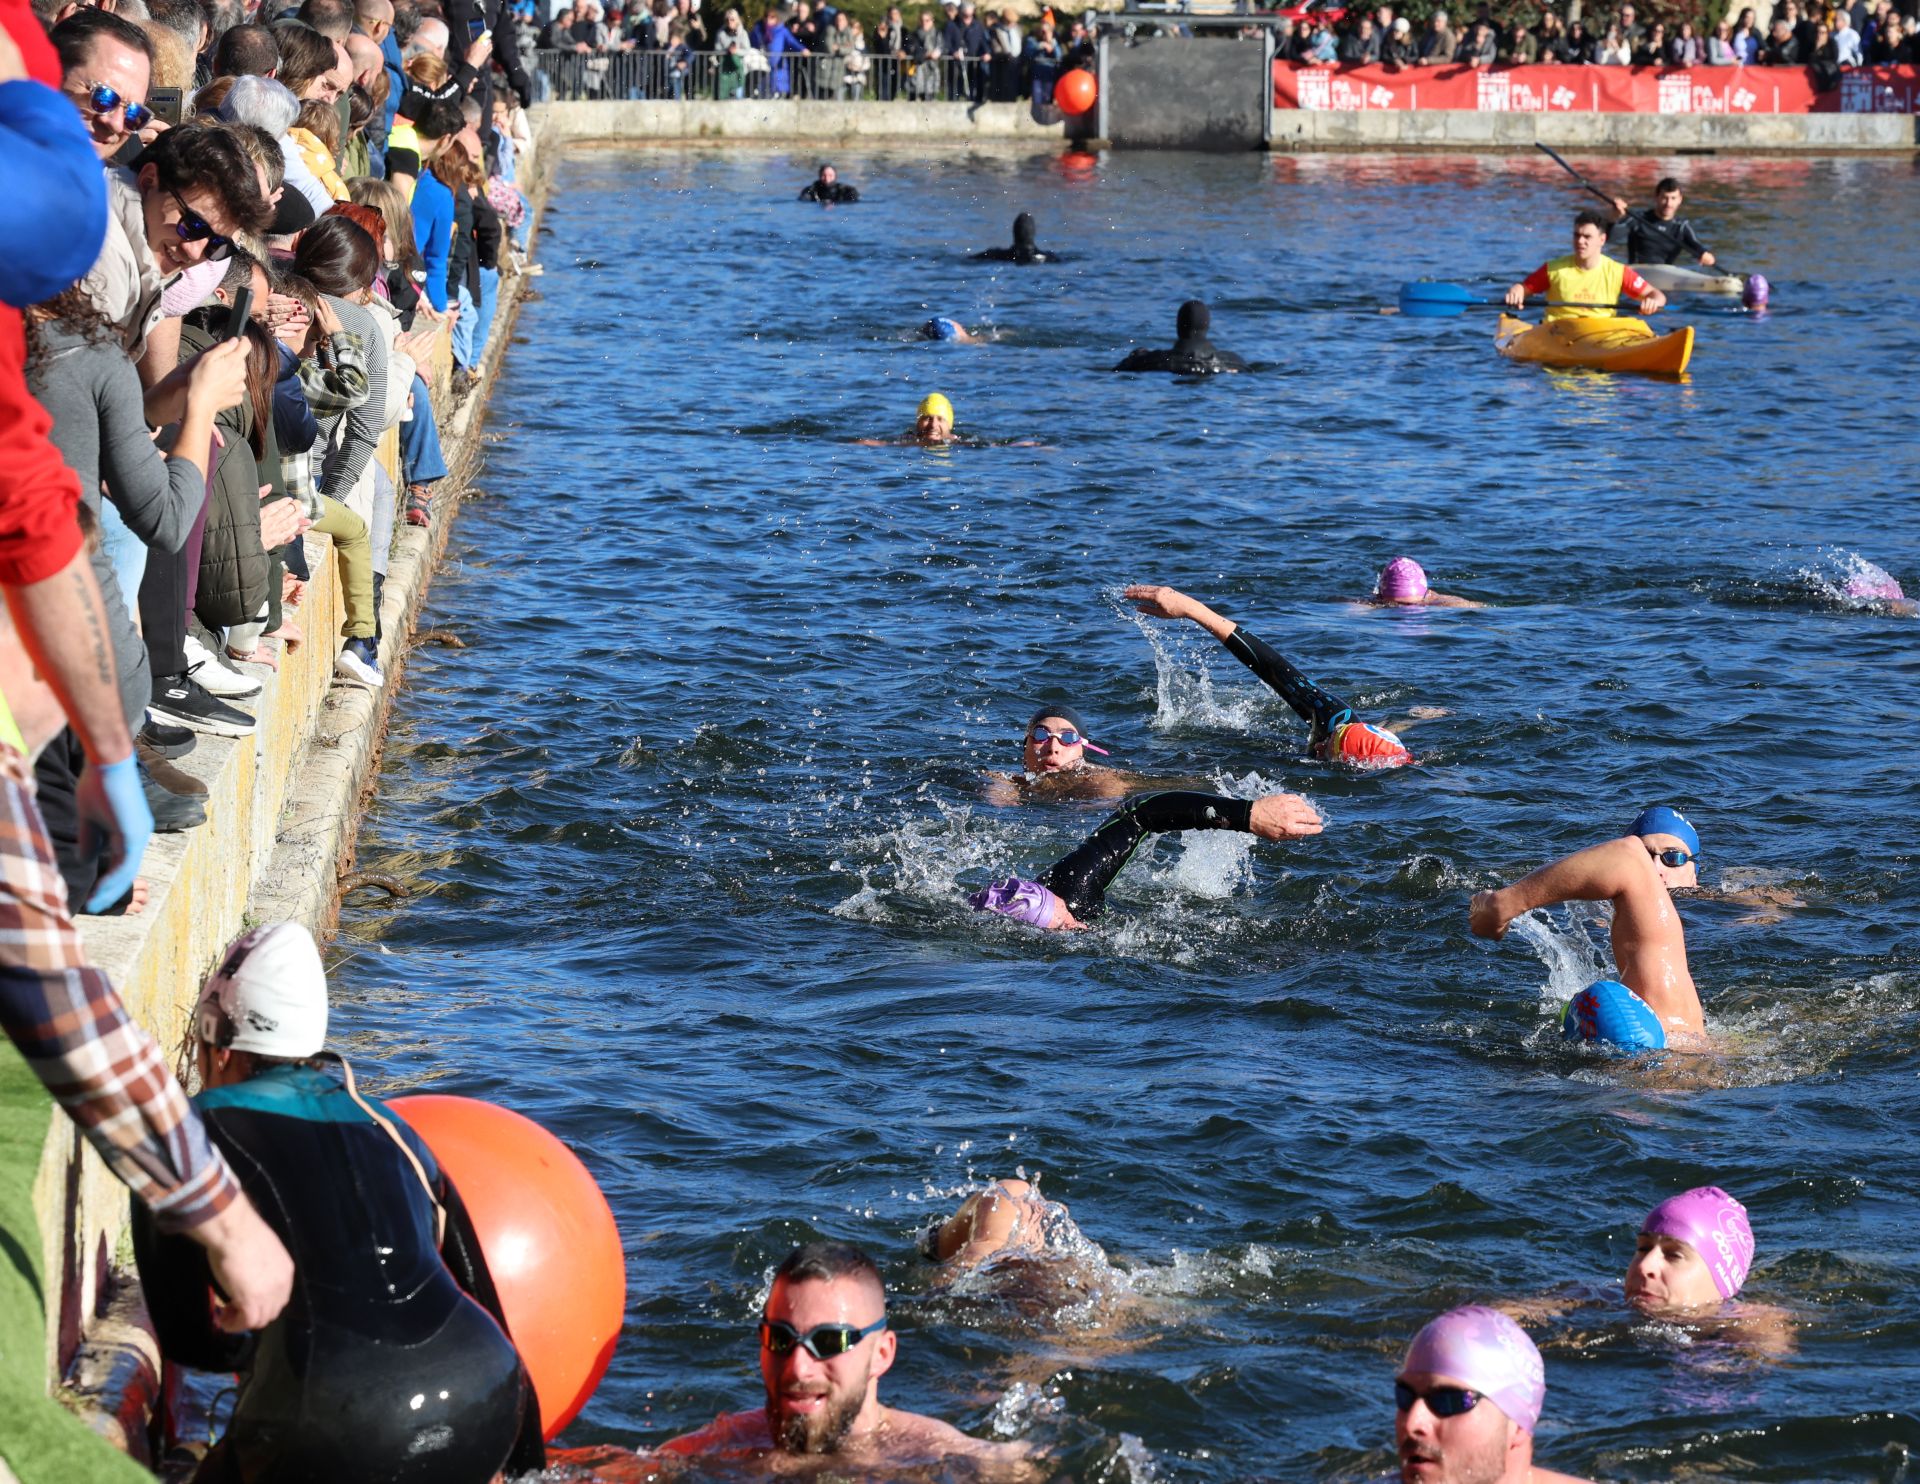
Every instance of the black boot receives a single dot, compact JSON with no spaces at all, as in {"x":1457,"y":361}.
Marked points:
{"x":379,"y":629}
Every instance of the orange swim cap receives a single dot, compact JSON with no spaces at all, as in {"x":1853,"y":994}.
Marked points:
{"x":1367,"y":746}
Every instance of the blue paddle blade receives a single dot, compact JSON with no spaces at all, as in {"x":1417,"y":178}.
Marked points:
{"x":1432,"y":308}
{"x":1428,"y":292}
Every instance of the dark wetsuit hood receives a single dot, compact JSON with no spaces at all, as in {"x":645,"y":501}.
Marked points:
{"x":1023,"y":230}
{"x":1192,"y":353}
{"x":1191,"y":327}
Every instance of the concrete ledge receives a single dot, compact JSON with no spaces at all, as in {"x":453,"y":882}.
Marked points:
{"x":1597,"y":133}
{"x":786,"y":121}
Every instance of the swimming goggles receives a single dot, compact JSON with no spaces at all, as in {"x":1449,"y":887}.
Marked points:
{"x":1673,"y":857}
{"x":193,"y":227}
{"x":103,"y":100}
{"x":1066,"y":737}
{"x":1442,"y":1401}
{"x":822,"y":1342}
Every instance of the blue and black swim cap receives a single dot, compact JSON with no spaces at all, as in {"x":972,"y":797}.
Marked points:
{"x":941,"y":328}
{"x":1608,"y":1011}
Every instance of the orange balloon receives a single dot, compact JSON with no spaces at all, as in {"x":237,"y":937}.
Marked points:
{"x":1075,"y":92}
{"x":549,"y":1239}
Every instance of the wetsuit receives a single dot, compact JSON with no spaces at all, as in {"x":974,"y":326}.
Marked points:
{"x":1650,"y":240}
{"x":391,"y":1360}
{"x":1337,"y":732}
{"x":1023,"y":249}
{"x":1193,"y":354}
{"x":1081,"y":880}
{"x":837,"y":194}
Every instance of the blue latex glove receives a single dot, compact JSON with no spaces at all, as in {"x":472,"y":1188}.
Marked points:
{"x":115,"y":822}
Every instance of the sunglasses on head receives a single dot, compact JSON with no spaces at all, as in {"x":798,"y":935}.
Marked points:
{"x":1442,"y":1401}
{"x":194,"y":227}
{"x":103,"y":99}
{"x":822,"y":1342}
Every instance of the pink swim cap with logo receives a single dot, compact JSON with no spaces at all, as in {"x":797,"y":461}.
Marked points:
{"x":1023,"y":901}
{"x":1402,"y":581}
{"x":1713,"y":1224}
{"x":1486,"y":1352}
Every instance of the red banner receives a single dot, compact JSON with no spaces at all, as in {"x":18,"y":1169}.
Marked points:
{"x":1592,"y":89}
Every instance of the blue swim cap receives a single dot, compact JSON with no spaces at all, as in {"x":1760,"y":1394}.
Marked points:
{"x":940,"y":328}
{"x":1660,"y":820}
{"x":1608,"y":1011}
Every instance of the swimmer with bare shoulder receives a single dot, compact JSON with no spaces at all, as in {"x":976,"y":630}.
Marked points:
{"x":1056,"y":766}
{"x":1072,"y":892}
{"x":948,"y":331}
{"x":1337,"y":735}
{"x":1007,"y":1215}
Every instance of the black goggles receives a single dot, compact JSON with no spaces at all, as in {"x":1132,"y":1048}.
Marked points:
{"x":822,"y":1342}
{"x":103,"y":99}
{"x":1442,"y":1401}
{"x":193,"y":227}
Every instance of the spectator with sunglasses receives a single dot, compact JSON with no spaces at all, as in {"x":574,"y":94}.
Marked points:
{"x":1637,"y":874}
{"x":1467,"y":1400}
{"x":824,"y":1345}
{"x":106,"y":67}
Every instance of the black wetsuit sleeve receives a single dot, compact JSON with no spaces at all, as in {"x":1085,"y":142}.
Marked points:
{"x":460,"y":1250}
{"x":175,"y":1277}
{"x":1690,"y":239}
{"x":1309,"y":702}
{"x":1081,"y":880}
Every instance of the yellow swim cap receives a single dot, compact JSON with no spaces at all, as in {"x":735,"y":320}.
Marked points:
{"x":938,"y":406}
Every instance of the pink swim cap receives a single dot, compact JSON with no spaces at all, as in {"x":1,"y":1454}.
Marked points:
{"x":1023,"y":901}
{"x":1880,"y":589}
{"x":1486,"y":1352}
{"x":1402,"y":581}
{"x":1715,"y":1225}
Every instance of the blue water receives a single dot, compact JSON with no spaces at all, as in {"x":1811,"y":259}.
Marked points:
{"x":692,"y":812}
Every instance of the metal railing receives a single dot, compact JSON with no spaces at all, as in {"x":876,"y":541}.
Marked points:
{"x":614,"y":75}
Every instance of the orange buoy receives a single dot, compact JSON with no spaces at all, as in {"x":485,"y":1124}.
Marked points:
{"x":549,"y":1239}
{"x":1075,"y":91}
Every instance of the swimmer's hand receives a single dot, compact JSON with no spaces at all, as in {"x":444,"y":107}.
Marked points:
{"x":1284,"y":816}
{"x":250,"y":1265}
{"x":1487,"y":915}
{"x":1160,"y":602}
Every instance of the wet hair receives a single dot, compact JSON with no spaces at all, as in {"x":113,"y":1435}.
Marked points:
{"x":304,"y":54}
{"x":322,"y":121}
{"x":203,"y":156}
{"x":391,"y":202}
{"x":74,"y":37}
{"x":825,"y":1262}
{"x":337,"y":256}
{"x":369,"y":220}
{"x":333,"y":19}
{"x":1667,"y":183}
{"x":246,"y":51}
{"x":1591,"y":219}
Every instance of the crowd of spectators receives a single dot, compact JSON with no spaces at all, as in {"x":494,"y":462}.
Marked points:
{"x":1828,"y":38}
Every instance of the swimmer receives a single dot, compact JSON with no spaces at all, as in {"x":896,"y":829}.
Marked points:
{"x":1468,"y":1398}
{"x":392,"y":1359}
{"x":1023,"y":250}
{"x":1337,"y":734}
{"x":1009,"y":1215}
{"x":1072,"y":892}
{"x":949,"y":331}
{"x":1193,"y":354}
{"x":1402,"y":584}
{"x":1637,"y":874}
{"x":824,"y":1345}
{"x":932,"y":426}
{"x":1880,"y":594}
{"x":829,"y":189}
{"x":1056,"y":766}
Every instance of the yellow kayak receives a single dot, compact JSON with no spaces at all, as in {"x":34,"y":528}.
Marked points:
{"x":1606,"y":344}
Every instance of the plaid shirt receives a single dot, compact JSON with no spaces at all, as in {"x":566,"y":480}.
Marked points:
{"x":69,"y":1024}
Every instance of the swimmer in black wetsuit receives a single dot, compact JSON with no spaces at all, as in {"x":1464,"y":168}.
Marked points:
{"x":1023,"y":249}
{"x":829,"y":190}
{"x":1072,"y":892}
{"x":391,"y":1360}
{"x":1193,"y":354}
{"x":1337,"y":735}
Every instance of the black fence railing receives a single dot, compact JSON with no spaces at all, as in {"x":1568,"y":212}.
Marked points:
{"x":818,"y":76}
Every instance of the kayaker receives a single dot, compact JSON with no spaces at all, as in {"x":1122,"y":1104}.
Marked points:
{"x":1585,"y":278}
{"x":1337,"y":735}
{"x":1659,"y":234}
{"x":1192,"y":354}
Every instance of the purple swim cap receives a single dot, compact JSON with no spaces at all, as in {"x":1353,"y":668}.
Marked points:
{"x":1486,"y":1352}
{"x":1713,"y":1224}
{"x":1880,"y":589}
{"x":1023,"y":901}
{"x":1756,"y":292}
{"x":1402,"y":581}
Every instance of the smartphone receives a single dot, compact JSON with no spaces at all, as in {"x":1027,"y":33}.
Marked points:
{"x":476,"y":27}
{"x":166,"y":104}
{"x":237,"y":315}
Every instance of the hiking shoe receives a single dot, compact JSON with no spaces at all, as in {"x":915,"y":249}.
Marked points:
{"x":184,"y":702}
{"x":208,"y":673}
{"x":360,"y":661}
{"x":165,"y":740}
{"x":176,"y":781}
{"x":172,"y":812}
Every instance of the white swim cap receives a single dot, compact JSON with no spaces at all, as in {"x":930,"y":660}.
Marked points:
{"x":269,"y":995}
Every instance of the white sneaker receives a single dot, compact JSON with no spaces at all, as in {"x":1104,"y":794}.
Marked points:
{"x":359,"y":661}
{"x":210,"y":675}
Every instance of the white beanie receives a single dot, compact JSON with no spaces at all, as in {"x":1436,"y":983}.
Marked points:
{"x":272,"y":991}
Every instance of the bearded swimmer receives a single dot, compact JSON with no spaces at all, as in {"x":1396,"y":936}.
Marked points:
{"x":1468,"y":1398}
{"x":824,"y":1345}
{"x":1337,"y":735}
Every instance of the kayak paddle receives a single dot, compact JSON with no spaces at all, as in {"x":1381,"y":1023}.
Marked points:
{"x":1585,"y":184}
{"x":1428,"y":300}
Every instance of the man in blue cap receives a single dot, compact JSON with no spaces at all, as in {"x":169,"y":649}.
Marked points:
{"x":1637,"y":874}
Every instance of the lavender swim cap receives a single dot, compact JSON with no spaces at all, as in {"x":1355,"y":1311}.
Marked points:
{"x":1402,"y":581}
{"x":1715,"y":1225}
{"x":1487,"y":1352}
{"x":1756,"y":292}
{"x":1880,"y":589}
{"x":1023,"y":901}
